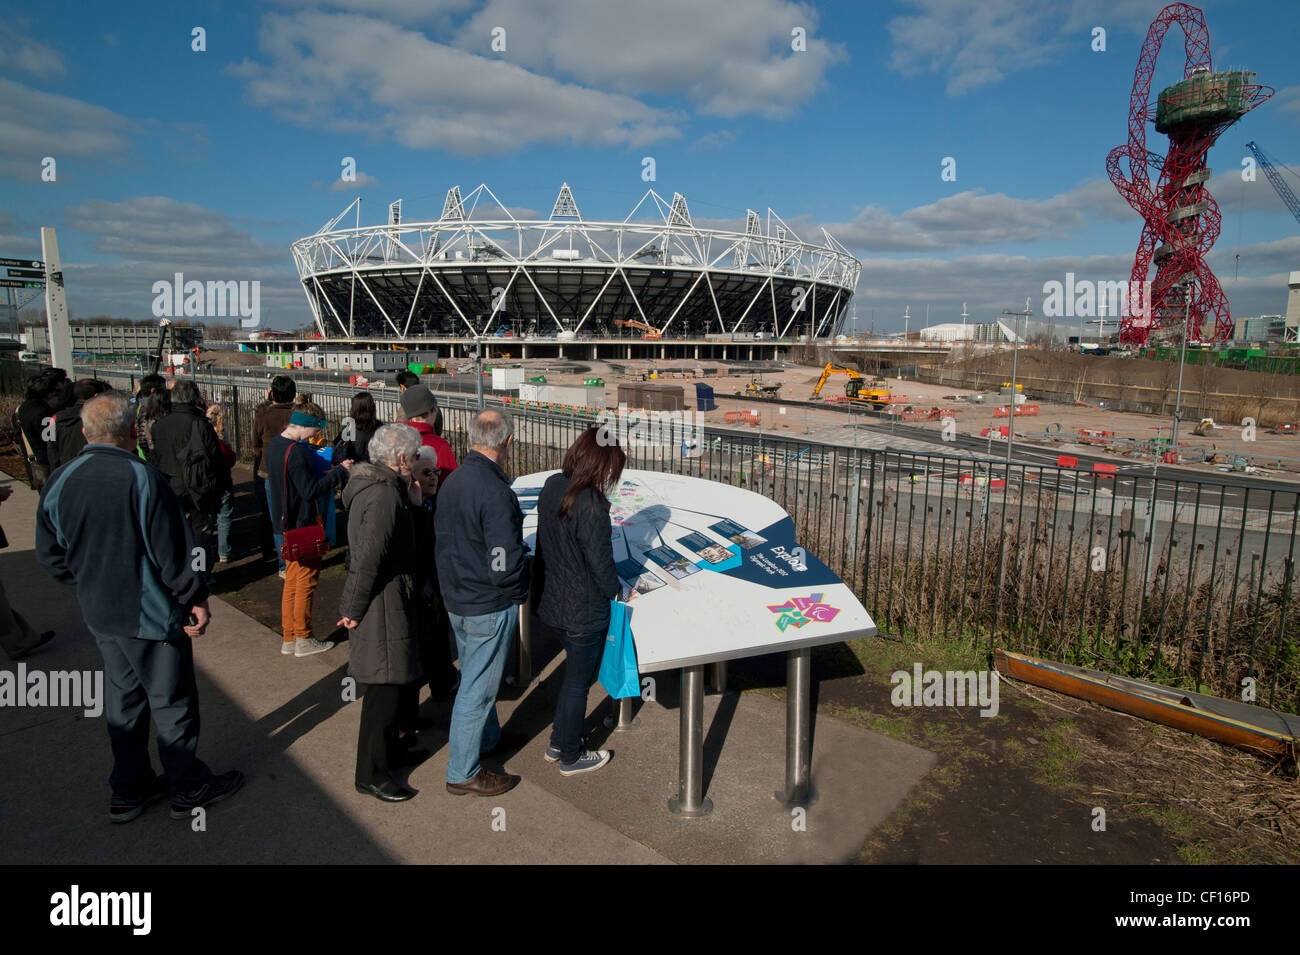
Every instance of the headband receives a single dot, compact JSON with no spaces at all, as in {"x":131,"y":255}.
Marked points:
{"x":305,"y":420}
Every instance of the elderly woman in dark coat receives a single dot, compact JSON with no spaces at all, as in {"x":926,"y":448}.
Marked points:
{"x":379,"y":602}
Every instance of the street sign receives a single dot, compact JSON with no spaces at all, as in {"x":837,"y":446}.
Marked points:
{"x":22,"y":263}
{"x":19,"y":283}
{"x":26,"y":273}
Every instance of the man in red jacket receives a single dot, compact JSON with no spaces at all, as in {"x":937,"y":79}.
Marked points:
{"x":420,"y":407}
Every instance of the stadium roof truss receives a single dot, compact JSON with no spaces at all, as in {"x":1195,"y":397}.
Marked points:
{"x":645,"y":268}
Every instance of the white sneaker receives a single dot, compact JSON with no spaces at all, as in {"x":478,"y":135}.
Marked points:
{"x":287,"y":647}
{"x":306,"y":646}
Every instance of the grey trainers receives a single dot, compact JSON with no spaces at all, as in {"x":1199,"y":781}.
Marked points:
{"x":586,"y":762}
{"x":306,"y":646}
{"x":287,"y":646}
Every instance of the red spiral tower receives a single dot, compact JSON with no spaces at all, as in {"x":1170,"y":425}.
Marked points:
{"x":1180,"y":219}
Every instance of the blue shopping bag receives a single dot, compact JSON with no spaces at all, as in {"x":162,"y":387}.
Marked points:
{"x":322,"y":461}
{"x":618,"y":671}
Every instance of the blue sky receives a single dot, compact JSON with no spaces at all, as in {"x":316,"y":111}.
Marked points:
{"x":210,"y":163}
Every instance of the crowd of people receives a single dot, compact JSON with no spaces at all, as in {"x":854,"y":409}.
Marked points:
{"x":137,"y":494}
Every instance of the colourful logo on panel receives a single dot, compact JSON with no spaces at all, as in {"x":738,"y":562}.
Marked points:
{"x":803,"y":610}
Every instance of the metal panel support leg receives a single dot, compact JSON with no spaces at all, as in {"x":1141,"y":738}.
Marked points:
{"x":524,"y":647}
{"x":798,"y":729}
{"x":718,"y":676}
{"x":690,"y":800}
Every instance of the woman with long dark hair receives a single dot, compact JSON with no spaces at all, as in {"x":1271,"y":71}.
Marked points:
{"x":365,"y":422}
{"x":578,"y":582}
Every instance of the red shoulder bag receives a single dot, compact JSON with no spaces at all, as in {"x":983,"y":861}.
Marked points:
{"x":301,"y":543}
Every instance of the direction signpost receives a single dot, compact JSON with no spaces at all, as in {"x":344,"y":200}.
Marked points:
{"x":19,"y":274}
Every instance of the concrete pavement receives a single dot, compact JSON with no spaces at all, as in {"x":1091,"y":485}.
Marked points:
{"x":284,"y":722}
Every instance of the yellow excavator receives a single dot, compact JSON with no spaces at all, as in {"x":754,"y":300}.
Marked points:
{"x":855,"y":389}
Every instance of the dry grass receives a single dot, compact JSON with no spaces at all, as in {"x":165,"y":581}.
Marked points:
{"x":8,"y":405}
{"x":1248,"y":806}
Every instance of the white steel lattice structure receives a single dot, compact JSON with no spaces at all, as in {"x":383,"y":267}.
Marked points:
{"x":467,"y":274}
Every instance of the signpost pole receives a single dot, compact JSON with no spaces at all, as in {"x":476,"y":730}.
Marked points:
{"x":56,"y":303}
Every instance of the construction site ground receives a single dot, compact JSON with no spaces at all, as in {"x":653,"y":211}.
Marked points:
{"x":1055,"y":425}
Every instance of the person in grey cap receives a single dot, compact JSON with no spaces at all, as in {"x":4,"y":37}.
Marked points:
{"x":419,"y":407}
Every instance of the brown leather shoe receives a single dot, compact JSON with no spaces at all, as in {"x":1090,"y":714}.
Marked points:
{"x":486,"y":783}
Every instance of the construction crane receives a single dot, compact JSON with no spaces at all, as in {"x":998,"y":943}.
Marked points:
{"x":854,"y":389}
{"x":649,"y":330}
{"x":1275,"y":177}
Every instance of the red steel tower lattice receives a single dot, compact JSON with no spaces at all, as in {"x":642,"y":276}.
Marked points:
{"x":1180,"y":218}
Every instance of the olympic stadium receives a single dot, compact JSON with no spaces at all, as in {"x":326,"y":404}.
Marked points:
{"x":654,"y":277}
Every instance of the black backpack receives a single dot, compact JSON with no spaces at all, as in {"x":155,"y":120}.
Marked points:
{"x":198,"y":473}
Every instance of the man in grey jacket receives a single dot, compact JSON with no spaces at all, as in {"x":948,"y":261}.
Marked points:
{"x":482,"y":573}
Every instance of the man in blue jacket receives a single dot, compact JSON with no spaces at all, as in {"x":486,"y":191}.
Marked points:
{"x":481,"y":570}
{"x":110,"y":524}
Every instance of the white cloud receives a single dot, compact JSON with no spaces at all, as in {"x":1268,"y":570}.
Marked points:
{"x":1288,"y":100}
{"x":990,"y":283}
{"x":363,"y":181}
{"x":403,"y":11}
{"x":977,"y":44}
{"x":714,"y":140}
{"x":153,"y":237}
{"x":18,"y":237}
{"x":974,"y":218}
{"x":169,"y":233}
{"x":35,"y":124}
{"x":354,"y":74}
{"x":27,"y":55}
{"x":735,"y":58}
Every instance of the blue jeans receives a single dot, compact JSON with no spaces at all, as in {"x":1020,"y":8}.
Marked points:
{"x":276,"y":533}
{"x":483,"y":643}
{"x":225,"y":515}
{"x":582,"y":653}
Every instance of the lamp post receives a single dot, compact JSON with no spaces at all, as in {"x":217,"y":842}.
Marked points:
{"x":1182,"y":355}
{"x":1015,"y":357}
{"x":478,"y":362}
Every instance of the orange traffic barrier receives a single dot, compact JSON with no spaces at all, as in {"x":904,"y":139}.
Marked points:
{"x":1004,"y":411}
{"x":1066,"y":461}
{"x":1107,"y":469}
{"x":1094,"y":436}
